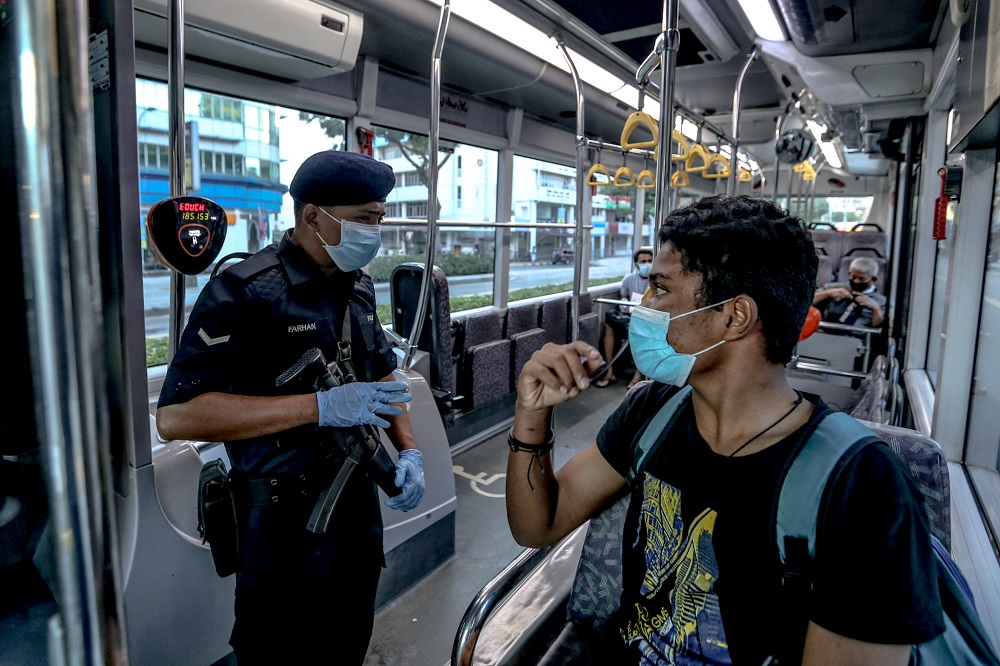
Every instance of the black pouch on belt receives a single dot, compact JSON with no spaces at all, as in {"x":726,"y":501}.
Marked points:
{"x":217,"y":523}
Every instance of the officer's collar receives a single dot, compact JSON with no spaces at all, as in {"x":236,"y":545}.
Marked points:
{"x":301,"y":268}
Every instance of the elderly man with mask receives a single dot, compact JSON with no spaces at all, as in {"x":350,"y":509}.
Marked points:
{"x":857,"y":303}
{"x":301,"y":596}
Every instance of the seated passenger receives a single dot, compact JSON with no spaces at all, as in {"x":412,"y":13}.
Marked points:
{"x":702,"y":582}
{"x":616,"y":319}
{"x":857,"y":303}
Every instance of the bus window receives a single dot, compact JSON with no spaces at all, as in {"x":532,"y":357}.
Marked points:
{"x":467,"y":198}
{"x":983,"y":443}
{"x":247,"y":154}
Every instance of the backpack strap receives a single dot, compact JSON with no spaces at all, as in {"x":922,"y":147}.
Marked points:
{"x":661,"y":422}
{"x":823,"y":453}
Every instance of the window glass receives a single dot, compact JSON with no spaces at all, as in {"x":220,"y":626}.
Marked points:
{"x":245,"y":168}
{"x":984,"y":417}
{"x":467,"y":198}
{"x":939,"y":298}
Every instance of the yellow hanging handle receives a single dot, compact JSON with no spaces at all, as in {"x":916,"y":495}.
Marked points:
{"x":682,"y":143}
{"x":645,"y":180}
{"x":697,"y":159}
{"x":598,"y":175}
{"x":745,"y":176}
{"x":680,"y":179}
{"x":723,"y":171}
{"x":635,"y":120}
{"x":624,"y":177}
{"x":806,"y":169}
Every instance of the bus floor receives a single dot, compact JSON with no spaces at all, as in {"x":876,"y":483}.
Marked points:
{"x":418,"y":627}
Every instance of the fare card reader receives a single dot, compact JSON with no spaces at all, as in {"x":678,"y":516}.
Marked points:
{"x":187,"y":233}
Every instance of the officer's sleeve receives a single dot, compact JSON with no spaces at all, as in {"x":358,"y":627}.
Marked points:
{"x":212,"y":352}
{"x":383,"y":358}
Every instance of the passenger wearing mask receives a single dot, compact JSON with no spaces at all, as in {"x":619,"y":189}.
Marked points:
{"x":729,"y":291}
{"x":616,"y":320}
{"x":301,"y":596}
{"x":857,"y":303}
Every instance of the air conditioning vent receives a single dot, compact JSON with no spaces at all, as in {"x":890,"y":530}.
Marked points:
{"x":289,"y":39}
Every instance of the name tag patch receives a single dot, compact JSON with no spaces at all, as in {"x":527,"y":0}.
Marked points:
{"x":302,"y":328}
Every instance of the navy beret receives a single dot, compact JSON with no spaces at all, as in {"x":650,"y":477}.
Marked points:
{"x":341,"y":178}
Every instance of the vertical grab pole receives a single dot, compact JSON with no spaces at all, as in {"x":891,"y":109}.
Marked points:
{"x":432,"y":199}
{"x":175,"y":101}
{"x":581,"y":142}
{"x":669,"y":42}
{"x":734,"y":166}
{"x":778,"y":127}
{"x":56,"y":172}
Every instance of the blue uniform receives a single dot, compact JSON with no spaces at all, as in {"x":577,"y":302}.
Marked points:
{"x":297,"y":593}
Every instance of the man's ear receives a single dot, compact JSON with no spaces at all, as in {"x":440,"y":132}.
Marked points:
{"x":742,"y":316}
{"x":310,"y":216}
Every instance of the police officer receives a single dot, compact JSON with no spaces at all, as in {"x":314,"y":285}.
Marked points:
{"x":301,"y":597}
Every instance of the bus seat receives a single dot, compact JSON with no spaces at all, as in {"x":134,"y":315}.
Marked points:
{"x":487,"y":373}
{"x":485,"y":361}
{"x":552,"y":317}
{"x":870,"y":238}
{"x":525,"y":337}
{"x":435,"y":336}
{"x":829,"y":242}
{"x":590,"y":329}
{"x":927,"y":465}
{"x":827,"y":269}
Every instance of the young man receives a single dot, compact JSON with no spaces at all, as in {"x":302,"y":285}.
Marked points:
{"x":301,"y":597}
{"x":857,"y":303}
{"x":729,"y":291}
{"x":617,"y":318}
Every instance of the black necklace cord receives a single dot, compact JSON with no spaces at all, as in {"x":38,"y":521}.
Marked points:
{"x":797,"y":402}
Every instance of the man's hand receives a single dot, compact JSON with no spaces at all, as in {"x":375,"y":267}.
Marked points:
{"x":865,"y":301}
{"x":360,"y":403}
{"x":556,"y":373}
{"x":409,"y":477}
{"x":836,"y":293}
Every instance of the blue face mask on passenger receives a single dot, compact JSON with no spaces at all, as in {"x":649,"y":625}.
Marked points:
{"x":359,"y":244}
{"x":644,"y":269}
{"x":653,"y":355}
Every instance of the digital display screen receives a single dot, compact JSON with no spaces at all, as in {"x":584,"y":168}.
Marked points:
{"x":192,"y":206}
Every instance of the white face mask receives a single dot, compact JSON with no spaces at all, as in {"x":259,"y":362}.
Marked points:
{"x":359,"y":244}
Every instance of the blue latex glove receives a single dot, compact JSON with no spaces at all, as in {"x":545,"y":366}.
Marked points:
{"x":409,"y":477}
{"x":360,"y":403}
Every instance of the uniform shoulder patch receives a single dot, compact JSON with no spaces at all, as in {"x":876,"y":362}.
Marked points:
{"x":209,"y":340}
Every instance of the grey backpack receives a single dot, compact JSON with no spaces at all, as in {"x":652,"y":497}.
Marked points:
{"x":822,"y":455}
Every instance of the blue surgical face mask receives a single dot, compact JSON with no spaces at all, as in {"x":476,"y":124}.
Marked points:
{"x":644,"y":269}
{"x":359,"y":243}
{"x":653,"y":355}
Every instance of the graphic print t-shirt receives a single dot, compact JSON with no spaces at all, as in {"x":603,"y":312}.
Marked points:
{"x":702,"y":579}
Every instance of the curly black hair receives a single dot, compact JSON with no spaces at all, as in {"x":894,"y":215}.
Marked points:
{"x":741,"y":245}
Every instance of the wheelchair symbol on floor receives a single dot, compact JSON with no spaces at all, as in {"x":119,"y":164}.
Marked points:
{"x":479,"y":480}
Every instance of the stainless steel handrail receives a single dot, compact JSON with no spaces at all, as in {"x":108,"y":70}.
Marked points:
{"x":489,"y":598}
{"x":390,"y":222}
{"x":578,"y":227}
{"x":827,"y":370}
{"x":424,"y":299}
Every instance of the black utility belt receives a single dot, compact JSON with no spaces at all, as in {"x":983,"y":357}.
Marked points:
{"x":283,"y":487}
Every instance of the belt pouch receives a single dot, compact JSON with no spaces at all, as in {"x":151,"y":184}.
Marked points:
{"x":217,"y":522}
